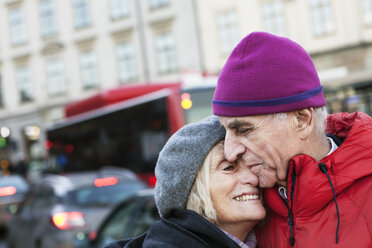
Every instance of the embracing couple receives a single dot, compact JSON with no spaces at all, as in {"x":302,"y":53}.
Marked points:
{"x":271,"y":168}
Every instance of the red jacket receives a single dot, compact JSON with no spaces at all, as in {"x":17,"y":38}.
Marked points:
{"x":310,"y":197}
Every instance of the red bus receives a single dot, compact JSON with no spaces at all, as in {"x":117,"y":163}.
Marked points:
{"x":126,"y":126}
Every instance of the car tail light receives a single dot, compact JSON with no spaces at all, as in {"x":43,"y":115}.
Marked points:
{"x":92,"y":235}
{"x":6,"y":191}
{"x":68,"y":220}
{"x":150,"y":179}
{"x":107,"y":181}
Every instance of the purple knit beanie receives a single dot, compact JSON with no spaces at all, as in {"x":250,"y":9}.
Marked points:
{"x":267,"y":74}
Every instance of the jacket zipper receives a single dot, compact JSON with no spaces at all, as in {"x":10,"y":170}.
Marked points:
{"x":290,"y":212}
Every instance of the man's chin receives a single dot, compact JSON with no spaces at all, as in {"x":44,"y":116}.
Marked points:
{"x":282,"y":183}
{"x":266,"y":184}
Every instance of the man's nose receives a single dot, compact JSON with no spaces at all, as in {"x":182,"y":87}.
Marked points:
{"x":233,"y":148}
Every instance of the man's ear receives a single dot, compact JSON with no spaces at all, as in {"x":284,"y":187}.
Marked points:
{"x":305,"y":122}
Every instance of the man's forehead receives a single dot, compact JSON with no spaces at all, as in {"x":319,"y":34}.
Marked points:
{"x":234,"y":122}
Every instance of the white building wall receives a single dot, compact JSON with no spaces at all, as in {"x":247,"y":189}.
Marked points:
{"x":102,"y":36}
{"x":198,"y":46}
{"x":347,"y":14}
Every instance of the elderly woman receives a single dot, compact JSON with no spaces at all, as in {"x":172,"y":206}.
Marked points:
{"x":204,"y":200}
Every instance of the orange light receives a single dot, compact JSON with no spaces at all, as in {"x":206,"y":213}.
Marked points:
{"x":186,"y":103}
{"x":6,"y":191}
{"x":68,"y":220}
{"x":101,"y":182}
{"x":4,"y":164}
{"x":185,"y":96}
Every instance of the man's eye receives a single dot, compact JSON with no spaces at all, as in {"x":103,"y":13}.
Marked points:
{"x":242,"y":130}
{"x":229,"y":168}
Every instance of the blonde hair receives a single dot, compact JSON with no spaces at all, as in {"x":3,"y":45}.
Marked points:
{"x":199,"y":199}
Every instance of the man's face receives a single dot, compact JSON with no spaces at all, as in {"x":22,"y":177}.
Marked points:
{"x":265,"y":144}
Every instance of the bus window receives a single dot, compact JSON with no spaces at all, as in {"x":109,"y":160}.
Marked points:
{"x":130,"y":138}
{"x":201,"y":100}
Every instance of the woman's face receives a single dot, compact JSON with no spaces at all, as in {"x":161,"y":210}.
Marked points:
{"x":234,"y":191}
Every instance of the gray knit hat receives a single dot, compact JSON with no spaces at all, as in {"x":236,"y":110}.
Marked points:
{"x":180,"y":160}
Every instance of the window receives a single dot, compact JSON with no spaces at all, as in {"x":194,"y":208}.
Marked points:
{"x":24,"y":80}
{"x":146,"y":217}
{"x":156,"y":4}
{"x":81,"y":13}
{"x":367,"y":11}
{"x":273,"y":17}
{"x":117,"y":226}
{"x":126,"y":61}
{"x":119,"y":9}
{"x":115,"y":136}
{"x":44,"y":198}
{"x":131,"y":219}
{"x":166,"y":52}
{"x":100,"y":196}
{"x":17,"y":26}
{"x":47,"y":18}
{"x":39,"y":198}
{"x":55,"y":76}
{"x":89,"y":69}
{"x":321,"y":12}
{"x":227,"y":26}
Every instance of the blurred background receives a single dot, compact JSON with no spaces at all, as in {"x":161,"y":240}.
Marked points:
{"x":86,"y":84}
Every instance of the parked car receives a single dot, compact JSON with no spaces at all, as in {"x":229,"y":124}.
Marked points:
{"x":128,"y":219}
{"x":13,"y":190}
{"x":59,"y":206}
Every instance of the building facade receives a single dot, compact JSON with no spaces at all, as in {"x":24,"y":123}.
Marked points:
{"x":53,"y":52}
{"x":336,"y":33}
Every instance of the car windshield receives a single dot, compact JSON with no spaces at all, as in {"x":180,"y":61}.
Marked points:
{"x":93,"y":196}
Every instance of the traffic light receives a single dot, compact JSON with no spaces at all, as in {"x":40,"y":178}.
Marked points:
{"x":186,"y":102}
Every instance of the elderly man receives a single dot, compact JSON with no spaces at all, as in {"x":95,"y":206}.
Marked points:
{"x":317,"y":169}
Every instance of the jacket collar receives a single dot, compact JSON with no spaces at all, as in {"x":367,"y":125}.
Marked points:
{"x":190,"y":221}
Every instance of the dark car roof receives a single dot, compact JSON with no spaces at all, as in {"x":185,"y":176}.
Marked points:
{"x":69,"y":181}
